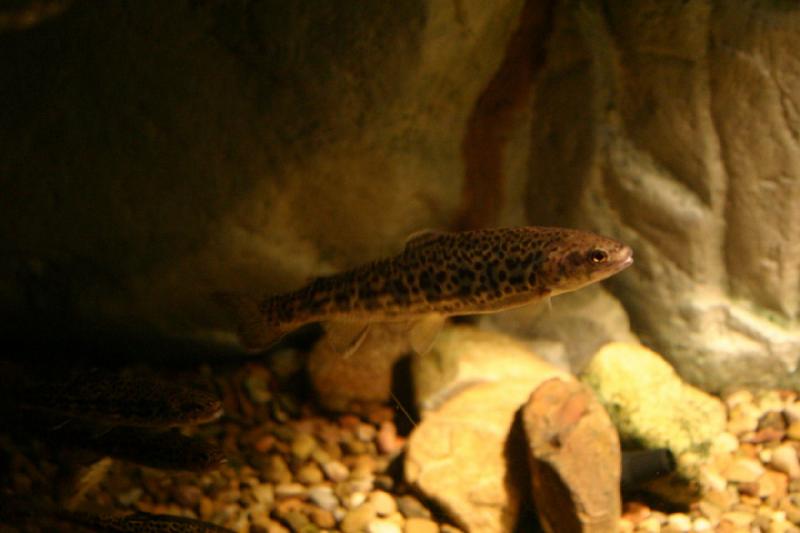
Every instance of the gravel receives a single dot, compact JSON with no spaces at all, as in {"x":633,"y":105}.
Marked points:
{"x":293,"y":468}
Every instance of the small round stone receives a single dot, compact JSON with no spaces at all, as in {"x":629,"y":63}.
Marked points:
{"x":303,"y":445}
{"x":336,"y":471}
{"x":309,"y":474}
{"x":740,"y":519}
{"x":411,"y":507}
{"x":356,"y":520}
{"x":701,"y":525}
{"x":678,"y":523}
{"x":784,"y":459}
{"x":744,"y":470}
{"x":289,"y":490}
{"x":383,"y":503}
{"x":383,"y":526}
{"x":323,"y":497}
{"x":420,"y":525}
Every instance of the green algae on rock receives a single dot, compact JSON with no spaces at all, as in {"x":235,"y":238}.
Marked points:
{"x":652,"y":407}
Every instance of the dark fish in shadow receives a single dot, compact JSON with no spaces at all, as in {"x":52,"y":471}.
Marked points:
{"x":113,"y":399}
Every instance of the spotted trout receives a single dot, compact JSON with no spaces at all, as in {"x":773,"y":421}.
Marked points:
{"x":117,"y":400}
{"x":437,"y":275}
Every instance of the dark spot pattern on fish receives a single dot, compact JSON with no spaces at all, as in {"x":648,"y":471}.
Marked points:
{"x":448,"y":273}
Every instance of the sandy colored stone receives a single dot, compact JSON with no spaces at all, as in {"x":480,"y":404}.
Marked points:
{"x":456,"y":455}
{"x":651,"y":405}
{"x":568,"y":329}
{"x":575,"y":459}
{"x":464,"y":356}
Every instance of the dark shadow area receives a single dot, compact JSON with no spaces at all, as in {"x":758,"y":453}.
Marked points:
{"x":518,"y":476}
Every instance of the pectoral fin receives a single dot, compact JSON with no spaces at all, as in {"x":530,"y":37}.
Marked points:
{"x":423,"y":332}
{"x":346,"y":337}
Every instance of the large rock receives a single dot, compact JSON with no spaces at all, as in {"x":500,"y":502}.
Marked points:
{"x":356,"y":381}
{"x":457,"y":456}
{"x":575,"y":459}
{"x":570,"y":328}
{"x":155,"y":152}
{"x":653,"y":408}
{"x":464,"y":356}
{"x":674,"y":127}
{"x":465,"y":455}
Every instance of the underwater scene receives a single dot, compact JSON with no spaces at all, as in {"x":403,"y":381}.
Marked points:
{"x":423,"y":266}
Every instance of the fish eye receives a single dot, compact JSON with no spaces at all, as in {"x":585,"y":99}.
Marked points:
{"x":598,"y":256}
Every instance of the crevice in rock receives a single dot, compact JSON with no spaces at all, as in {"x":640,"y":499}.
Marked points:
{"x":494,"y":114}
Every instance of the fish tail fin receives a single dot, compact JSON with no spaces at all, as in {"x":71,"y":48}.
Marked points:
{"x":256,"y":333}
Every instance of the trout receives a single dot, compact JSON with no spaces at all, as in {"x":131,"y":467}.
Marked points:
{"x":437,"y":275}
{"x":116,"y":400}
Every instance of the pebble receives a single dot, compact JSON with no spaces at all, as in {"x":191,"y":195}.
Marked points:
{"x":410,"y":507}
{"x":303,"y":445}
{"x":383,"y":526}
{"x":290,"y":490}
{"x":625,"y":526}
{"x":322,"y":518}
{"x":792,"y":412}
{"x":743,"y":419}
{"x":356,"y":499}
{"x":793,"y":431}
{"x":324,"y":497}
{"x":310,"y":474}
{"x":738,"y":518}
{"x":784,"y":459}
{"x":383,"y":503}
{"x":651,"y":524}
{"x":420,"y":525}
{"x":336,"y":471}
{"x":264,"y":494}
{"x":678,"y":523}
{"x":302,"y":471}
{"x":725,"y":442}
{"x":366,"y":432}
{"x":701,"y":525}
{"x":713,"y":480}
{"x":277,"y":471}
{"x":356,"y":520}
{"x":744,"y":470}
{"x":387,"y":439}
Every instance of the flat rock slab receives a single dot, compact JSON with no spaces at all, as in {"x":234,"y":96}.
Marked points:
{"x":457,"y":456}
{"x":575,"y":459}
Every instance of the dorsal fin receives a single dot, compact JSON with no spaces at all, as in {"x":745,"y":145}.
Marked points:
{"x":422,"y":237}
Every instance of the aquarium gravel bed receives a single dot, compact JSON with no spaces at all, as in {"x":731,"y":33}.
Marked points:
{"x":292,"y":467}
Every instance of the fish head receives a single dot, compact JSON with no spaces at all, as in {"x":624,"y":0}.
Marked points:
{"x":578,"y":258}
{"x":195,"y":406}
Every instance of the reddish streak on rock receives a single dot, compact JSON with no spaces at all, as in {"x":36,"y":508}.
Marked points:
{"x":493,"y":116}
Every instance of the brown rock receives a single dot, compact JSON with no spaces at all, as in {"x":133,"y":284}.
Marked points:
{"x":363,"y":378}
{"x":575,"y":459}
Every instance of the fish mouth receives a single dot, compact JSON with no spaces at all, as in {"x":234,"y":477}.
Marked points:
{"x":627,"y":261}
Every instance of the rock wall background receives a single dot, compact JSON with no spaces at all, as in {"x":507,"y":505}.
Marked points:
{"x":675,"y":128}
{"x":151,"y":153}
